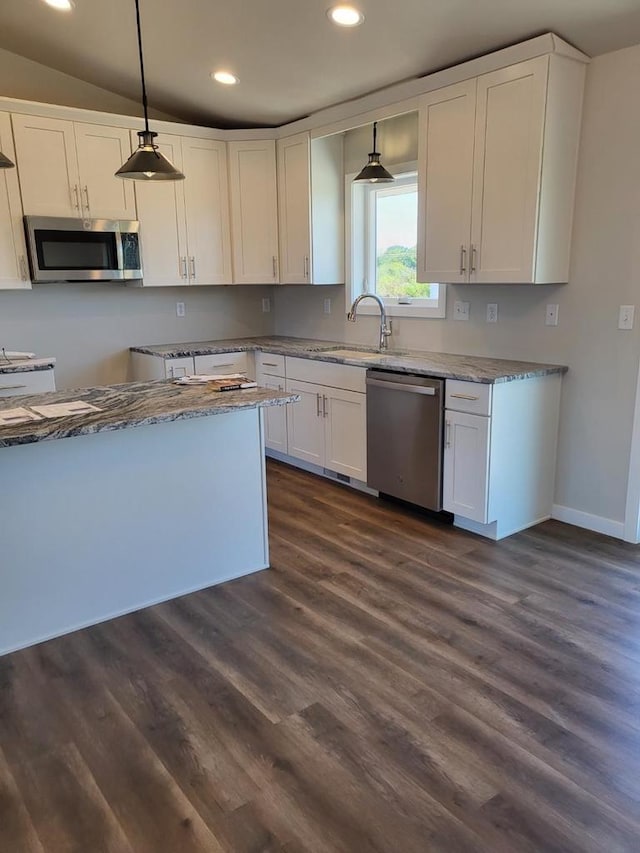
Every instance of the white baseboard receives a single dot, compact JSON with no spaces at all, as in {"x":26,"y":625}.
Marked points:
{"x":590,"y":522}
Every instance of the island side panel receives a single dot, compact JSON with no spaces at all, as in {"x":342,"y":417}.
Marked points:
{"x":100,"y":525}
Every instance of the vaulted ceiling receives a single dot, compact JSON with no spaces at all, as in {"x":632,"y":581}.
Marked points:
{"x":290,"y":59}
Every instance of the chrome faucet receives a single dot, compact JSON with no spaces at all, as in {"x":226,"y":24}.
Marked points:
{"x":385,"y":325}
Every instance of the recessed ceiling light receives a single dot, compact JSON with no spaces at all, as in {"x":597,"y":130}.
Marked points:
{"x":224,"y":77}
{"x":345,"y":16}
{"x":61,"y":5}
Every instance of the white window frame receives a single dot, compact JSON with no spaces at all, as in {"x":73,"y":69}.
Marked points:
{"x":360,"y":209}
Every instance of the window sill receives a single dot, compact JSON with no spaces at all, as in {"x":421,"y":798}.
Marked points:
{"x":415,"y":311}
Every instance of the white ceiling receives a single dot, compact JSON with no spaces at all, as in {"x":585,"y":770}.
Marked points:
{"x":290,"y":59}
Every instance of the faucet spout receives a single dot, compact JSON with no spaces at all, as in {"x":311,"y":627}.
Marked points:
{"x":385,"y":324}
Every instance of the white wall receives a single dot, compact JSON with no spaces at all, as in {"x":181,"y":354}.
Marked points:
{"x":31,"y":81}
{"x":599,"y":390}
{"x":89,"y":327}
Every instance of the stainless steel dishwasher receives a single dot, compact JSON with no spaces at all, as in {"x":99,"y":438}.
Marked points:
{"x":405,"y":416}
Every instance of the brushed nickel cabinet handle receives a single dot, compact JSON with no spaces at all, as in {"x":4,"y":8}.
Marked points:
{"x":183,"y":267}
{"x":324,"y":406}
{"x":274,"y":261}
{"x":192,"y":265}
{"x":306,"y":266}
{"x":474,"y":257}
{"x":463,"y":260}
{"x":76,"y":197}
{"x":11,"y":387}
{"x":86,"y":194}
{"x":318,"y":405}
{"x":447,"y":440}
{"x":464,"y":397}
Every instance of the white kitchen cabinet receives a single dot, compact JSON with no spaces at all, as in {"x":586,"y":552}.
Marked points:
{"x":275,"y":417}
{"x":254,"y":211}
{"x":345,"y":432}
{"x":305,"y":423}
{"x":184,"y":225}
{"x":67,"y":168}
{"x":465,"y":486}
{"x":206,"y":192}
{"x":146,"y":367}
{"x":14,"y":274}
{"x":27,"y":382}
{"x":497,"y":171}
{"x":447,"y":123}
{"x":500,"y":453}
{"x":311,"y":209}
{"x":163,"y":228}
{"x":223,"y":362}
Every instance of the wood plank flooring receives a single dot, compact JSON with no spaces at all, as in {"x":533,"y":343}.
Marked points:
{"x":391,"y":684}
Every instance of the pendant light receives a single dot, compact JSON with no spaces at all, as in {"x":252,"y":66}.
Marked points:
{"x":5,"y":163}
{"x":147,"y":163}
{"x":374,"y":172}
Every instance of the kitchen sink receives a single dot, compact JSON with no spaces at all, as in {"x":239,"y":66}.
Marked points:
{"x":352,"y":353}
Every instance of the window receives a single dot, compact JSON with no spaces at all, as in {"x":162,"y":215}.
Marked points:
{"x":384,"y":237}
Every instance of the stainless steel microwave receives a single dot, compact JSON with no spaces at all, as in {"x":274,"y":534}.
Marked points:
{"x":62,"y":249}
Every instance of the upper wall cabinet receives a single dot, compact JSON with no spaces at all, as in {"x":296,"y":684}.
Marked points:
{"x":254,"y":211}
{"x":13,"y":259}
{"x":497,"y":170}
{"x":67,"y":168}
{"x":184,"y":225}
{"x":311,"y":209}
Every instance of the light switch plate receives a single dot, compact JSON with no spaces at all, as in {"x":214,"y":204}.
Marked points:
{"x":266,"y":305}
{"x":551,"y":316}
{"x":492,"y":312}
{"x":460,"y":310}
{"x":180,"y":309}
{"x":625,"y":319}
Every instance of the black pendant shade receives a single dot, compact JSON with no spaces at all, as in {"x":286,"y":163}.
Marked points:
{"x":374,"y":172}
{"x":5,"y":163}
{"x":147,"y":163}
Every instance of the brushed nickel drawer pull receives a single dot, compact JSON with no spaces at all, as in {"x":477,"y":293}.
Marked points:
{"x":318,"y":409}
{"x":464,"y":397}
{"x":270,"y":364}
{"x":11,"y":387}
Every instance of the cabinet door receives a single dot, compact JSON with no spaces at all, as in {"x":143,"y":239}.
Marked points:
{"x":275,"y":417}
{"x":466,"y":465}
{"x":294,"y":209}
{"x":508,"y":161}
{"x":13,"y":258}
{"x":305,"y":424}
{"x":207,"y":206}
{"x":254,"y":211}
{"x":176,"y":367}
{"x":345,"y":432}
{"x":163,"y":233}
{"x":445,"y":174}
{"x":101,"y":152}
{"x":47,"y":166}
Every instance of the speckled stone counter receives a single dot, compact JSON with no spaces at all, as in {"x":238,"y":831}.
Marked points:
{"x":441,"y":365}
{"x":131,"y":405}
{"x":26,"y":365}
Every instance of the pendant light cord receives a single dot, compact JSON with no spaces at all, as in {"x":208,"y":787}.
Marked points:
{"x":375,"y":129}
{"x":144,"y":85}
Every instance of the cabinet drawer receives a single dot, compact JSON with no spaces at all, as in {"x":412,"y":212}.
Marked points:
{"x":327,"y":373}
{"x":174,"y":368}
{"x":270,"y":365}
{"x":222,"y":362}
{"x":31,"y":382}
{"x":472,"y":397}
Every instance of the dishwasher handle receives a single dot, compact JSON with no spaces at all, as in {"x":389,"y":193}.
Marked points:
{"x":426,"y":390}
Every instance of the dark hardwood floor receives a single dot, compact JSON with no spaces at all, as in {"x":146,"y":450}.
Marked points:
{"x":392,"y":684}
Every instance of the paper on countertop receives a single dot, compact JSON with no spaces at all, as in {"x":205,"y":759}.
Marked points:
{"x":61,"y":410}
{"x":12,"y":417}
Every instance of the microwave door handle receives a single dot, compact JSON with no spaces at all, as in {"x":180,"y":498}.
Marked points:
{"x":120,"y":254}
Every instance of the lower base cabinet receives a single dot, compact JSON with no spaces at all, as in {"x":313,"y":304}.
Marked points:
{"x":275,"y":417}
{"x":465,"y":485}
{"x":328,"y":428}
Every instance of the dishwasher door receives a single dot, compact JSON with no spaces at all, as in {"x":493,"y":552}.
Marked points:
{"x":405,"y":415}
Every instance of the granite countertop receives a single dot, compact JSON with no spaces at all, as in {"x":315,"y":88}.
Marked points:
{"x":131,"y":405}
{"x":25,"y":365}
{"x":440,"y":365}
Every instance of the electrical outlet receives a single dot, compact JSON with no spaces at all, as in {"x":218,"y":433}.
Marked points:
{"x":327,"y":305}
{"x":551,"y":316}
{"x":625,"y":319}
{"x":492,"y":312}
{"x":460,"y":310}
{"x":180,"y":309}
{"x":266,"y":304}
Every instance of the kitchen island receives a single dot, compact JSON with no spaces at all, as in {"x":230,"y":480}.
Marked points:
{"x":157,"y":494}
